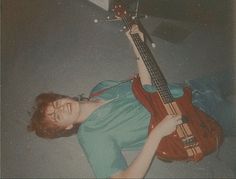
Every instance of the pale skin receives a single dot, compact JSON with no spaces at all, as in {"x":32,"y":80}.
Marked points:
{"x":66,"y":112}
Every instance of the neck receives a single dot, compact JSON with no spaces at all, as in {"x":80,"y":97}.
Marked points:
{"x":86,"y":108}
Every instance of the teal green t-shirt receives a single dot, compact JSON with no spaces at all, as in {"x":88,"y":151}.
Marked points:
{"x":120,"y":124}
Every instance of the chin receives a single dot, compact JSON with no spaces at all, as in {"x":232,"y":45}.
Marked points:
{"x":75,"y":106}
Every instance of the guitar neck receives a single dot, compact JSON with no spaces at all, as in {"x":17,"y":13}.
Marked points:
{"x":158,"y":79}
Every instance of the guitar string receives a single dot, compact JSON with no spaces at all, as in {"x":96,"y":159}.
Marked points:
{"x":144,"y":55}
{"x":125,"y":19}
{"x":167,"y":97}
{"x":171,"y":107}
{"x":140,"y":45}
{"x":141,"y":48}
{"x":162,"y":86}
{"x":193,"y":150}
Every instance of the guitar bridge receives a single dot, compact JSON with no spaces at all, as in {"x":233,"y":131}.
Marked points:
{"x":189,"y":141}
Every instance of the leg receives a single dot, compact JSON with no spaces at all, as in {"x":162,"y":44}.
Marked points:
{"x":214,"y":95}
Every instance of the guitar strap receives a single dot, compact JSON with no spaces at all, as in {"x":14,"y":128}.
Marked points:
{"x":101,"y":91}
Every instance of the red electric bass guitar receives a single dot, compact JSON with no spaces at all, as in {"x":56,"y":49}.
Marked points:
{"x":198,"y":135}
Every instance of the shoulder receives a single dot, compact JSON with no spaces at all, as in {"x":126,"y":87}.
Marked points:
{"x":103,"y":85}
{"x":110,"y":89}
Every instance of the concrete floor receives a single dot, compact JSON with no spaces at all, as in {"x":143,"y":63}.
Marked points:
{"x":54,"y":45}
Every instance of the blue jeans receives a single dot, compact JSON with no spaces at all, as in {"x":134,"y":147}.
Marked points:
{"x":213,"y":94}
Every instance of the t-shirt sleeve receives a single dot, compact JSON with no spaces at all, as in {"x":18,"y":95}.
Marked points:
{"x":103,"y":154}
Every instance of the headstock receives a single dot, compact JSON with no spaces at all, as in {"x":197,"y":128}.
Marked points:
{"x":120,"y":14}
{"x":119,"y":11}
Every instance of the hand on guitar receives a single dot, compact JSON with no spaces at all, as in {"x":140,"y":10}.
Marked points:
{"x":135,"y":30}
{"x":167,"y":125}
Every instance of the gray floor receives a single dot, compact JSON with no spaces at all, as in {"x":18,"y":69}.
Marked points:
{"x":54,"y":45}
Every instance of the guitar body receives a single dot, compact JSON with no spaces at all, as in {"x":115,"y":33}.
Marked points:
{"x":208,"y":135}
{"x":197,"y":134}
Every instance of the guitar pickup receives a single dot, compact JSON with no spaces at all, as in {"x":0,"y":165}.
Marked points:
{"x":189,"y":141}
{"x":184,"y":119}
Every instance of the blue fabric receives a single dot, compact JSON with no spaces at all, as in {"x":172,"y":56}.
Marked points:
{"x":122,"y":123}
{"x":212,"y":94}
{"x":119,"y":124}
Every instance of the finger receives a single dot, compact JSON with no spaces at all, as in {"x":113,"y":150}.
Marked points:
{"x":170,"y":116}
{"x":179,"y":119}
{"x":176,"y":116}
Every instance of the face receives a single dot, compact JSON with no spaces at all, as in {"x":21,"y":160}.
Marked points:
{"x":64,"y":112}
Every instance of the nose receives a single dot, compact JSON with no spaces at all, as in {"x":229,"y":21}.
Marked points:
{"x":65,"y":107}
{"x":61,"y":108}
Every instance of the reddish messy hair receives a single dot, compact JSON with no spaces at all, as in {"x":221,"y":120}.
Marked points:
{"x":43,"y":127}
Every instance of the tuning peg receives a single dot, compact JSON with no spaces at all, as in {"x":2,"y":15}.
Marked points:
{"x":112,"y":19}
{"x":153,"y":45}
{"x":146,"y":35}
{"x":145,"y":16}
{"x":108,"y":19}
{"x":123,"y":29}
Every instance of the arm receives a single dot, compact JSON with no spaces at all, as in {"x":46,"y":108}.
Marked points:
{"x":143,"y":72}
{"x":140,"y":165}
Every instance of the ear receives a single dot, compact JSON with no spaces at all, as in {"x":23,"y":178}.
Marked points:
{"x":69,"y":127}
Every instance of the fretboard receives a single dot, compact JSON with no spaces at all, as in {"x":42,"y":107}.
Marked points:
{"x":157,"y":77}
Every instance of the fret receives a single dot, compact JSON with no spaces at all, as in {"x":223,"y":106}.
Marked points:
{"x":148,"y":58}
{"x":157,"y":77}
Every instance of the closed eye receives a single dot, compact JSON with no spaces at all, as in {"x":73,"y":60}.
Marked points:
{"x":58,"y":117}
{"x":55,"y":104}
